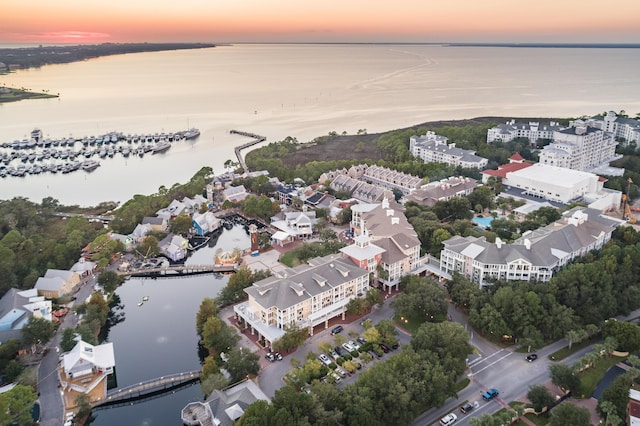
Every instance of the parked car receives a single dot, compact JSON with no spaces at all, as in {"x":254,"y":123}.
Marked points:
{"x":340,"y":351}
{"x":361,"y":340}
{"x":531,"y":357}
{"x":273,"y":356}
{"x":341,"y":372}
{"x":466,"y":408}
{"x":337,"y":329}
{"x":385,"y":348}
{"x":395,"y":346}
{"x":355,"y":345}
{"x":347,"y":347}
{"x":336,"y":376}
{"x":490,"y":394}
{"x":448,"y":419}
{"x":325,"y":359}
{"x":334,"y":355}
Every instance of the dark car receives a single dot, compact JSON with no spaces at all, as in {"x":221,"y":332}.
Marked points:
{"x":385,"y":348}
{"x":337,"y":329}
{"x":361,"y":340}
{"x":531,"y":357}
{"x":466,"y":408}
{"x":340,"y":351}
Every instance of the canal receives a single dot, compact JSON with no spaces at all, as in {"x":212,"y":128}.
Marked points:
{"x":159,"y":337}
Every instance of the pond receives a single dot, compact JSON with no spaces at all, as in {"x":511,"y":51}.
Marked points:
{"x":159,"y":337}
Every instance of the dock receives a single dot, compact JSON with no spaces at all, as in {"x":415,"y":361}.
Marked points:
{"x":177,"y":270}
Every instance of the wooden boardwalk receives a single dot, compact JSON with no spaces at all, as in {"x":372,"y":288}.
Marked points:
{"x":147,"y":388}
{"x":257,"y":140}
{"x":177,"y":270}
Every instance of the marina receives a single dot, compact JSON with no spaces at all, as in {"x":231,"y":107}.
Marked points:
{"x":65,"y":155}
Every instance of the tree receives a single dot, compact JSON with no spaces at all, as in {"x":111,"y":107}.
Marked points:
{"x":68,"y":341}
{"x":218,"y":336}
{"x":293,"y":337}
{"x":241,"y":363}
{"x":575,"y":336}
{"x":564,"y":377}
{"x":181,"y":224}
{"x":208,"y":309}
{"x":626,"y":334}
{"x":618,"y":395}
{"x":540,"y":397}
{"x":37,"y":331}
{"x":567,"y":414}
{"x":110,"y":281}
{"x":149,"y":246}
{"x":213,"y":381}
{"x":83,"y":403}
{"x":15,"y":405}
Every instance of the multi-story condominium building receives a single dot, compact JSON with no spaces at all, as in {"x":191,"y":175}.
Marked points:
{"x":362,"y":191}
{"x":580,"y":148}
{"x":305,"y":296}
{"x":533,"y":131}
{"x":388,"y":228}
{"x":537,"y":255}
{"x":391,"y":179}
{"x":443,"y":190}
{"x":621,"y":127}
{"x":432,"y":148}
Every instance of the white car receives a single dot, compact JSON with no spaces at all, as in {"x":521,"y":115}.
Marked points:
{"x":341,"y":372}
{"x":325,"y":359}
{"x":355,"y":345}
{"x":347,"y":347}
{"x":448,"y":419}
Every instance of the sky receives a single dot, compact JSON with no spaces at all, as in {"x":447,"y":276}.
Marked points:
{"x":229,"y":21}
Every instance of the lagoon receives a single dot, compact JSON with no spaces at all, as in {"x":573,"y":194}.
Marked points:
{"x":159,"y":337}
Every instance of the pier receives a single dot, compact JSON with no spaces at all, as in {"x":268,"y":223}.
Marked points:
{"x":257,"y":140}
{"x":91,"y":217}
{"x":149,"y":388}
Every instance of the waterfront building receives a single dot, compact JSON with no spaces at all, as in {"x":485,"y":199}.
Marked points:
{"x":205,"y":223}
{"x":432,"y":148}
{"x":391,"y":179}
{"x":84,"y":370}
{"x":158,"y":224}
{"x":537,"y":255}
{"x":306,"y":296}
{"x":223,"y":407}
{"x":581,"y":148}
{"x":295,"y":226}
{"x":235,"y":194}
{"x":533,"y":131}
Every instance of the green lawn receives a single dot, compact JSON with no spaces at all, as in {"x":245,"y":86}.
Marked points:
{"x":590,"y":378}
{"x":288,"y":259}
{"x":565,"y":352}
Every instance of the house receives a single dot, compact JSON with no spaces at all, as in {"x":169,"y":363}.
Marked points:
{"x":391,"y":179}
{"x":205,"y":223}
{"x":84,"y":370}
{"x":16,"y":307}
{"x":57,"y":283}
{"x":537,"y":255}
{"x":297,"y":225}
{"x":634,"y":408}
{"x":388,"y":228}
{"x":234,"y":194}
{"x":516,"y":162}
{"x":444,"y":190}
{"x":158,"y":224}
{"x":84,"y":267}
{"x":307,"y":295}
{"x":175,"y":208}
{"x":174,"y":247}
{"x":140,"y":232}
{"x":363,"y":253}
{"x":223,"y":407}
{"x":432,"y":148}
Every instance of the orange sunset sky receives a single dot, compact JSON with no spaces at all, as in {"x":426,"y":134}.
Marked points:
{"x":228,"y":21}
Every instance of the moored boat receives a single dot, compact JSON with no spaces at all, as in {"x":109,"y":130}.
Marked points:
{"x":89,"y":165}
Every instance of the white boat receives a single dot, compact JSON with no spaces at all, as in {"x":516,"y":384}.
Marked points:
{"x":145,"y":298}
{"x":191,"y":133}
{"x":89,"y":165}
{"x":140,"y":303}
{"x":161,"y":146}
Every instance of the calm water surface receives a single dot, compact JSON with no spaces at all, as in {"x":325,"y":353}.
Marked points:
{"x":159,"y":337}
{"x":302,"y":91}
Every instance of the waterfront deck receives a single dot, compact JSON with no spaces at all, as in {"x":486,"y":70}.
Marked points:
{"x":257,"y":139}
{"x":148,"y":388}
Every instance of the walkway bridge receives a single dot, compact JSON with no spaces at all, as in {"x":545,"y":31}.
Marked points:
{"x":178,"y":270}
{"x":257,"y":140}
{"x":147,"y":389}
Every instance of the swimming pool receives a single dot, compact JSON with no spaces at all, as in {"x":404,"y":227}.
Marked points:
{"x":485,"y":222}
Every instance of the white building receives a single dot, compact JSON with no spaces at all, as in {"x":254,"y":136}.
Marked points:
{"x":443,"y":190}
{"x":621,"y":127}
{"x":537,"y":255}
{"x":580,"y":148}
{"x":532,"y":131}
{"x":432,"y":148}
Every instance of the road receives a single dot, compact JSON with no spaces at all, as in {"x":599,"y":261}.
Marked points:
{"x":51,"y":406}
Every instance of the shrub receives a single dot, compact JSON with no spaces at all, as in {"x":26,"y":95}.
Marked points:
{"x":348,"y":357}
{"x":355,"y":354}
{"x":340,"y":361}
{"x":332,"y":366}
